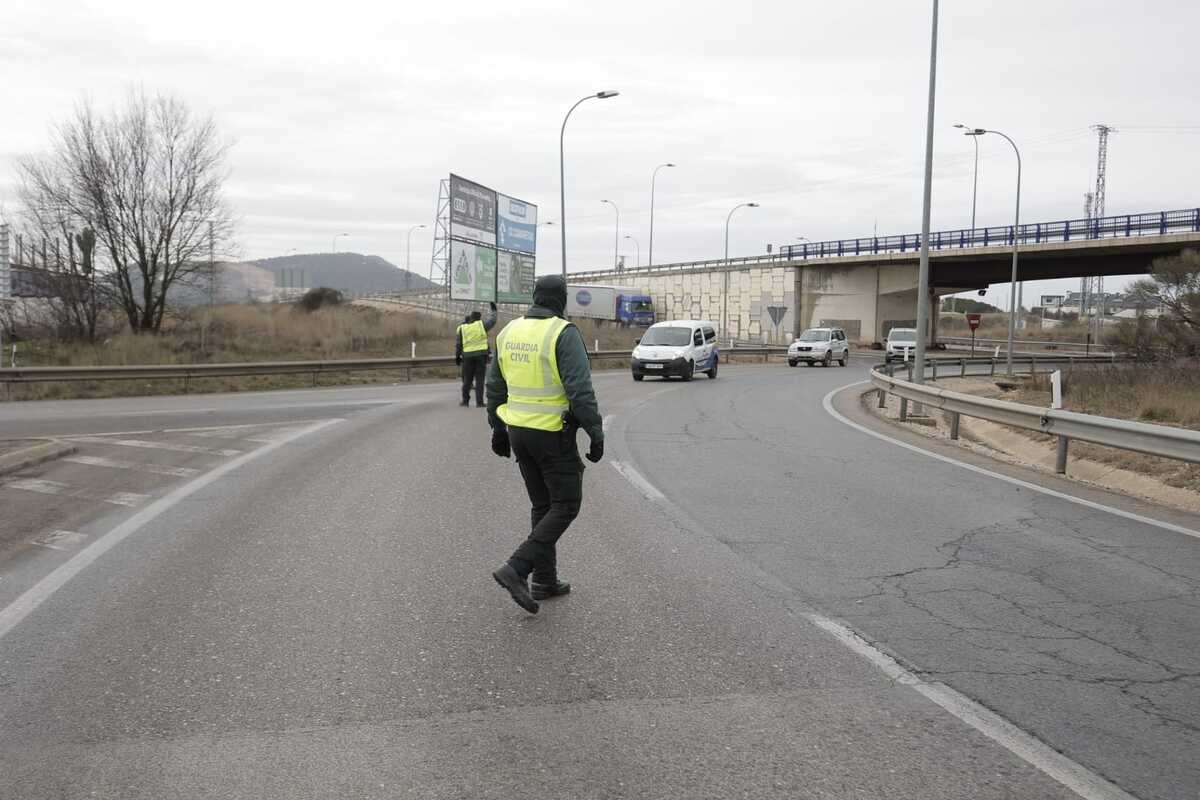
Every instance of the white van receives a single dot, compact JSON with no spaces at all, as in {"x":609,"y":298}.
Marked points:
{"x":681,"y":347}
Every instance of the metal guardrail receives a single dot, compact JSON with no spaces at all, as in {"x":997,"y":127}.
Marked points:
{"x":1157,"y":223}
{"x":187,"y":372}
{"x":1085,"y":347}
{"x":1155,"y":440}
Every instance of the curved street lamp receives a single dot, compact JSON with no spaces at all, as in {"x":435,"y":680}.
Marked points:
{"x":725,"y":294}
{"x":335,"y":238}
{"x":1012,"y":301}
{"x":653,"y":177}
{"x":562,"y":172}
{"x":408,"y":256}
{"x":638,"y":246}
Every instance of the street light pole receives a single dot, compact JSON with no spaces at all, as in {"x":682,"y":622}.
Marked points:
{"x":725,"y":293}
{"x":562,"y":173}
{"x":975,"y":181}
{"x":1013,"y":304}
{"x":653,"y":178}
{"x":639,"y":248}
{"x":616,"y":233}
{"x":923,"y":270}
{"x":408,"y":257}
{"x":335,"y":238}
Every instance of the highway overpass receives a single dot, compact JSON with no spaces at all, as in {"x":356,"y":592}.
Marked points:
{"x":868,"y":285}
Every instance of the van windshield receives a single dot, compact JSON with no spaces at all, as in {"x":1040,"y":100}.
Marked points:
{"x":668,"y":337}
{"x":903,"y":334}
{"x":814,"y":335}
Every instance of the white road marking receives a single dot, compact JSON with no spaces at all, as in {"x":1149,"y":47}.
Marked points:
{"x":59,"y":540}
{"x":641,"y":484}
{"x":1033,"y":487}
{"x":1037,"y":753}
{"x":114,"y":463}
{"x":42,"y":486}
{"x":178,"y":448}
{"x":23,"y":606}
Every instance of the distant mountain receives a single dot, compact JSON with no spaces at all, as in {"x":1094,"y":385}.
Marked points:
{"x":347,"y":272}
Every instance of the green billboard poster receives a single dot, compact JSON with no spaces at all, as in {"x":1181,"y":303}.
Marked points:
{"x":472,"y":272}
{"x":514,"y":278}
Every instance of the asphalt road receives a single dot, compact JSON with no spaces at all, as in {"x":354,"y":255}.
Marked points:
{"x":295,"y":603}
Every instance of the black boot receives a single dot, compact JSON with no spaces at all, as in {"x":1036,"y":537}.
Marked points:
{"x":541,"y":589}
{"x":507,"y":577}
{"x":465,"y":403}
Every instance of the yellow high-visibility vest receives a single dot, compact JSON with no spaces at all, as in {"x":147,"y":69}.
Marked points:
{"x":474,"y":336}
{"x":526,"y":352}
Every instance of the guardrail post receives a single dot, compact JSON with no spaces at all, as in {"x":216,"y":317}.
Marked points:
{"x":314,"y":379}
{"x":963,"y":363}
{"x":954,"y":415}
{"x":910,"y":372}
{"x":1033,"y":365}
{"x":903,"y":409}
{"x":1060,"y":462}
{"x":882,"y":398}
{"x":933,"y":363}
{"x":993,"y":372}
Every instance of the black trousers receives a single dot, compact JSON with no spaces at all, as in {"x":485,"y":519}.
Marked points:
{"x":473,"y":370}
{"x":553,"y":474}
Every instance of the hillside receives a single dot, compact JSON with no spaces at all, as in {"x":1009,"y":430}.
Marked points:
{"x":348,"y":272}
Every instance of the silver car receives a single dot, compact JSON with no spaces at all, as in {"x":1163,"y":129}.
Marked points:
{"x":820,"y":346}
{"x":900,"y":344}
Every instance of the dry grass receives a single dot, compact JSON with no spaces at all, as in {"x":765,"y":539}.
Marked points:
{"x":1161,"y":395}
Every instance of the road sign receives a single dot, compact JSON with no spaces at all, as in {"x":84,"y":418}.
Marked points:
{"x":973,"y":320}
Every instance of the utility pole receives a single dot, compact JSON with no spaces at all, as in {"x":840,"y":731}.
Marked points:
{"x":1102,"y":132}
{"x":212,"y":268}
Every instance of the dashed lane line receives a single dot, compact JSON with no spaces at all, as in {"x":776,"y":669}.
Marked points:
{"x":41,"y":486}
{"x":827,"y":402}
{"x":1037,"y":753}
{"x":135,"y":466}
{"x":143,"y":443}
{"x":12,"y":614}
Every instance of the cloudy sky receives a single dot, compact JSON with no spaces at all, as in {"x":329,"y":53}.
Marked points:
{"x":344,"y":116}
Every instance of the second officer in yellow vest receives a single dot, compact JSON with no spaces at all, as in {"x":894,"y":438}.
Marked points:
{"x":471,"y":352}
{"x":539,"y":391}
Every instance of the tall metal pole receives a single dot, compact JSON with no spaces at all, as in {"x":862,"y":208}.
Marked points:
{"x":562,"y":173}
{"x":923,"y":272}
{"x":653,"y":178}
{"x":1013,"y":301}
{"x":725,"y":293}
{"x":975,"y":186}
{"x":408,"y":257}
{"x":616,"y":234}
{"x":638,"y":246}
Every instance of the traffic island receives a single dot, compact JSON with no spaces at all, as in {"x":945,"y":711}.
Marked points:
{"x":19,"y":454}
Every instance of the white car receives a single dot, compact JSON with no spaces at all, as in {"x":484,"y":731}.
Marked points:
{"x":899,"y":341}
{"x":681,"y":347}
{"x":820,"y":346}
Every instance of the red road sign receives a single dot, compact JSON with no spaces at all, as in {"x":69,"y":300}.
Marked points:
{"x":973,"y":320}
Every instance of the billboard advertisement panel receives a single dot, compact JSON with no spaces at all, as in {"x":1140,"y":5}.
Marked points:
{"x":514,"y":278}
{"x":1052,"y":300}
{"x":516,"y":224}
{"x":472,"y":211}
{"x":472,"y":272}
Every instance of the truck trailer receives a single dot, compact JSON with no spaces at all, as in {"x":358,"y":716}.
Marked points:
{"x":623,"y":305}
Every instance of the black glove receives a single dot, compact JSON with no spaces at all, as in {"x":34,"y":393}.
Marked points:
{"x":493,"y":305}
{"x":596,"y":451}
{"x":458,"y":361}
{"x":500,"y":444}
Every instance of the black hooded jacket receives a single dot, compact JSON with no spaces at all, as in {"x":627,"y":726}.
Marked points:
{"x":550,"y":300}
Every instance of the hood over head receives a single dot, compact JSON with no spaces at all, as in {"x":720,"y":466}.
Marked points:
{"x":550,"y":292}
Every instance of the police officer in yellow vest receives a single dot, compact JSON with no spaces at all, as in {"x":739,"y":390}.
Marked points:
{"x":471,"y":352}
{"x":539,"y":391}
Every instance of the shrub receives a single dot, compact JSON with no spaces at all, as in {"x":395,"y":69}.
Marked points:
{"x":318,"y":298}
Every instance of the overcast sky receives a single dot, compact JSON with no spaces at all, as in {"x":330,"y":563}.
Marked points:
{"x":344,"y":116}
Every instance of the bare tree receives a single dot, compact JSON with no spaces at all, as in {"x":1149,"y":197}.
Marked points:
{"x":148,"y":180}
{"x":1174,"y":288}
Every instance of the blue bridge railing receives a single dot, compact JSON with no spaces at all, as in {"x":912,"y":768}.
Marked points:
{"x":1157,"y":223}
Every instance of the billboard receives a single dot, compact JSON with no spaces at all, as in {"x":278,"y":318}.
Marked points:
{"x":514,"y":278}
{"x":472,"y":211}
{"x":516,"y":224}
{"x":472,"y":272}
{"x":1052,"y":300}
